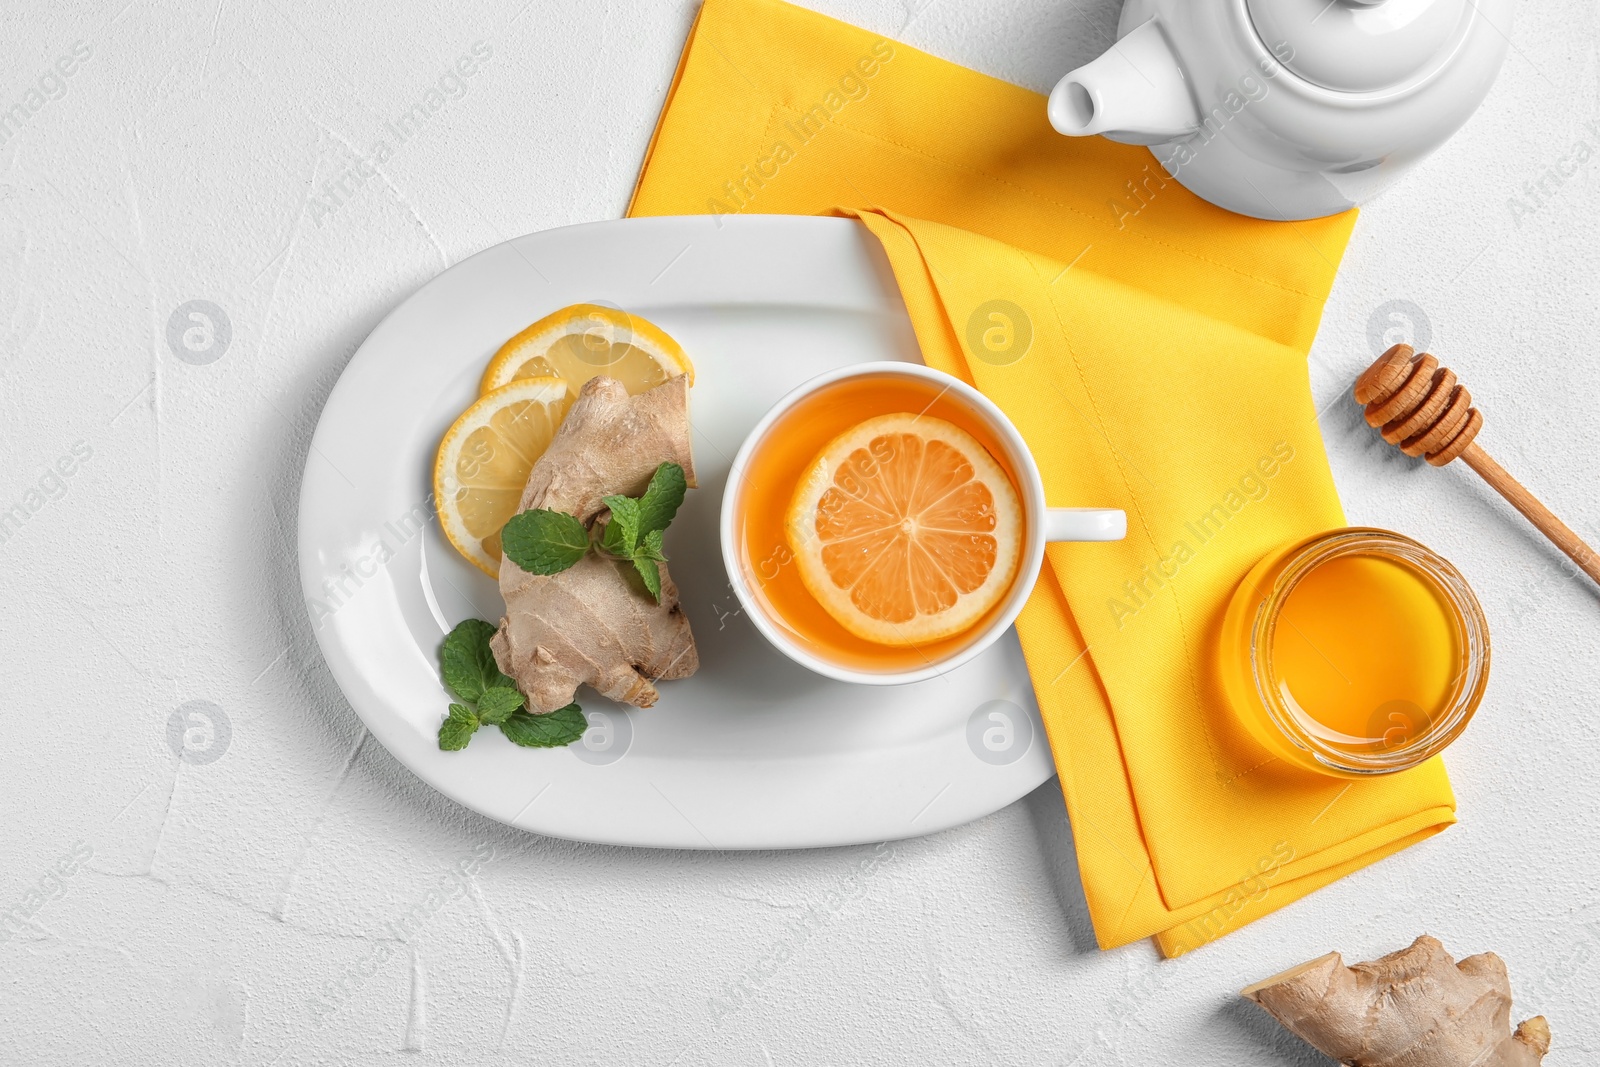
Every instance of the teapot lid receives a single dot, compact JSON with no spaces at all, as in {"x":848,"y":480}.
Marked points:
{"x":1359,"y":46}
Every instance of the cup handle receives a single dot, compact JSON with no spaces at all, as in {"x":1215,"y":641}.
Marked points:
{"x":1085,"y":524}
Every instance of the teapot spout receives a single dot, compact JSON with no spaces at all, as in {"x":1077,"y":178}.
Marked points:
{"x":1135,"y":93}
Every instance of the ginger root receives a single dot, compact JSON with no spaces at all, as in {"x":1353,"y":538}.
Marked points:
{"x":594,"y":623}
{"x":611,"y":443}
{"x":1412,"y":1008}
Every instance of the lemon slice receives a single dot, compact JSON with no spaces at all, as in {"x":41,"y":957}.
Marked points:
{"x":587,"y":340}
{"x":484,"y":460}
{"x":906,"y":530}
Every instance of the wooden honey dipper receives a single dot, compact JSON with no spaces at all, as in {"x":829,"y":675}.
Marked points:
{"x":1420,"y":408}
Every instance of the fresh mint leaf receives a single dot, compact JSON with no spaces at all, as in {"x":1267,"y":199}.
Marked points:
{"x":457,"y":730}
{"x":662,"y":499}
{"x":625,"y":523}
{"x":612,"y":541}
{"x":544,"y":542}
{"x":555,"y":730}
{"x":650,"y":547}
{"x":497,"y":704}
{"x":651,"y":573}
{"x":466,"y":662}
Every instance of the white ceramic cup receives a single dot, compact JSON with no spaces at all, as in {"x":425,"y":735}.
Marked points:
{"x":1041,"y":525}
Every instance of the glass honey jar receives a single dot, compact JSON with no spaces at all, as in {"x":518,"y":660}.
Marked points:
{"x":1356,"y":652}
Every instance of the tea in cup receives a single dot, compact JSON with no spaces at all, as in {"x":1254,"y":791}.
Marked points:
{"x":884,"y":523}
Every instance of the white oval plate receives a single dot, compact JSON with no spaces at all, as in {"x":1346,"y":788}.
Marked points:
{"x":753,"y":751}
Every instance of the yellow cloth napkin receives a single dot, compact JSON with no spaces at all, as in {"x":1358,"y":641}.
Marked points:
{"x":1152,"y":349}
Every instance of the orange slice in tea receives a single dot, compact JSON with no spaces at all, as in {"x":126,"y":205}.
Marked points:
{"x":906,"y":530}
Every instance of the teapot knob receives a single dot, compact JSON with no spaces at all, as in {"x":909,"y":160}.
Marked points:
{"x":1361,"y":46}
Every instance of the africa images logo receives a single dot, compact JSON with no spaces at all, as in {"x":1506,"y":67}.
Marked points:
{"x":50,"y":486}
{"x":740,"y":190}
{"x":1252,"y":487}
{"x":451,"y":85}
{"x":198,"y":332}
{"x":999,"y":333}
{"x":1000,"y":732}
{"x":46,"y":89}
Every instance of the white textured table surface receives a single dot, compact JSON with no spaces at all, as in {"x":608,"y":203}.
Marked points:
{"x":243,"y":910}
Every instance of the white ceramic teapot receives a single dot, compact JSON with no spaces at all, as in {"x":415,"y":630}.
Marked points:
{"x":1287,"y":109}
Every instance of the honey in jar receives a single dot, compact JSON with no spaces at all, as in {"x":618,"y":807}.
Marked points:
{"x":1353,"y":653}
